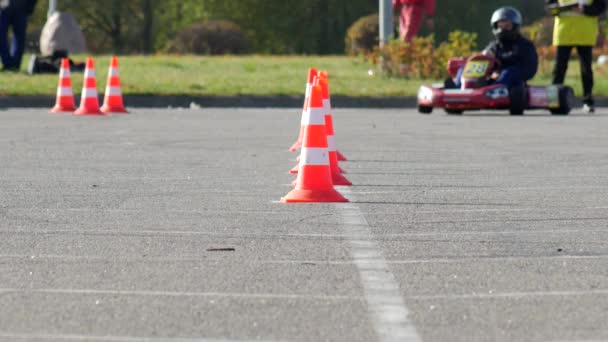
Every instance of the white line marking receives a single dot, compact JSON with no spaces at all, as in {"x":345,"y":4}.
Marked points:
{"x":74,"y":337}
{"x":180,"y":294}
{"x":513,"y":295}
{"x":440,"y":261}
{"x":388,"y":312}
{"x":317,"y":262}
{"x":502,"y":210}
{"x":240,"y":234}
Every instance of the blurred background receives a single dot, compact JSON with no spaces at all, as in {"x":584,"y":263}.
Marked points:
{"x":249,"y":26}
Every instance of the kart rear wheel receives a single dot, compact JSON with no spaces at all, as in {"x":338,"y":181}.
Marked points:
{"x":454,"y":111}
{"x":425,"y":109}
{"x":566,"y":99}
{"x":519,"y":102}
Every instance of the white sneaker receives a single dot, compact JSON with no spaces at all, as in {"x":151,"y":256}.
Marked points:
{"x":588,"y":108}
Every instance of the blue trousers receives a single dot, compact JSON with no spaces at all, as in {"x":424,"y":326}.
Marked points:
{"x":510,"y":77}
{"x":11,"y":55}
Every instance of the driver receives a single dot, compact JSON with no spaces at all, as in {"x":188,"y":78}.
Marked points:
{"x":516,"y":56}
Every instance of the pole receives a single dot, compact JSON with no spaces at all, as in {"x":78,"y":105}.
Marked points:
{"x":52,"y":7}
{"x":385,"y":21}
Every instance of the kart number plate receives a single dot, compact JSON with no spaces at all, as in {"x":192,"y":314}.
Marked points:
{"x":475,"y":69}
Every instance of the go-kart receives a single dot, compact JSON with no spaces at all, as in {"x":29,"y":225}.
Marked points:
{"x":479,"y":91}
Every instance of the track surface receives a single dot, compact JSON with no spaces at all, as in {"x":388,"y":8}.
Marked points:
{"x":164,"y":225}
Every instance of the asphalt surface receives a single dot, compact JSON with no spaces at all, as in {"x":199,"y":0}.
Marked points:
{"x":164,"y":225}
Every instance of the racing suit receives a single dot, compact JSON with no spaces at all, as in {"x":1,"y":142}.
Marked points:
{"x":518,"y":60}
{"x":411,"y":13}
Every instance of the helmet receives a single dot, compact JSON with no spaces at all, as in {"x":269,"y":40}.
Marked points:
{"x":506,"y":14}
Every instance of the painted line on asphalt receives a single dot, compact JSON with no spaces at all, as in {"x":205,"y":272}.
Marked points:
{"x":178,"y":294}
{"x":444,"y":261}
{"x":315,"y":262}
{"x":379,"y":236}
{"x":506,"y":210}
{"x":75,"y":337}
{"x":386,"y":307}
{"x":498,"y":295}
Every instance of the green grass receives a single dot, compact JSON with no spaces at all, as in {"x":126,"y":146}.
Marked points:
{"x":249,"y":75}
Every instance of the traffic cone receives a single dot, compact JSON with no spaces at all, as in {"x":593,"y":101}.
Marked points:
{"x":312,"y":73}
{"x":89,"y":103}
{"x":336,"y":173}
{"x":112,"y":100}
{"x":65,"y":97}
{"x":314,"y":182}
{"x":327,"y":105}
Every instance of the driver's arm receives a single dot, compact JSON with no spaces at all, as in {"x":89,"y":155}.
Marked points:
{"x":527,"y":60}
{"x":490,"y":50}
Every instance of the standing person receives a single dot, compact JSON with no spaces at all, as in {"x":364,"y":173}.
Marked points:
{"x":576,"y":26}
{"x":411,"y":15}
{"x":14,"y":14}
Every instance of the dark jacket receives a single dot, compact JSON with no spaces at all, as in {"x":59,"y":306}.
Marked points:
{"x":21,"y":6}
{"x":520,"y":53}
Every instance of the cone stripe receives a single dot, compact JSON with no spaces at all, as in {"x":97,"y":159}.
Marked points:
{"x":331,"y":143}
{"x":113,"y":91}
{"x":64,"y":91}
{"x":326,"y":106}
{"x":313,"y":116}
{"x":113,"y":72}
{"x":307,"y":92}
{"x":89,"y":92}
{"x":314,"y":156}
{"x":89,"y":73}
{"x":64,"y":73}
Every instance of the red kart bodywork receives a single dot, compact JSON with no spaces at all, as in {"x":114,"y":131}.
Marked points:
{"x":477,"y":92}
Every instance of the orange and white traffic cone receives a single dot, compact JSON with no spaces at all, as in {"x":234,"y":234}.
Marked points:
{"x":112,"y":101}
{"x":65,"y":97}
{"x":337,"y":176}
{"x":312,"y":73}
{"x":327,"y":105}
{"x":314,"y":182}
{"x":89,"y":103}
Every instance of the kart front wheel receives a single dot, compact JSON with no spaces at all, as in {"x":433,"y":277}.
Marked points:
{"x":519,"y":102}
{"x":566,"y":98}
{"x":425,"y":109}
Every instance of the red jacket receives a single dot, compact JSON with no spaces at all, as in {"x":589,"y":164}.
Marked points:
{"x":429,"y":5}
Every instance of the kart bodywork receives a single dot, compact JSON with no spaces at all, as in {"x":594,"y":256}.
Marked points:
{"x":478,"y":91}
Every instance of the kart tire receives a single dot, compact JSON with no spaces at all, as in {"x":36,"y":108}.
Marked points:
{"x":566,"y":96}
{"x":519,"y":102}
{"x":425,"y":109}
{"x":454,"y":111}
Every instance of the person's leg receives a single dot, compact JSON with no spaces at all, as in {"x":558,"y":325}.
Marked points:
{"x":560,"y":67}
{"x":510,"y":77}
{"x":458,"y":78}
{"x":403,"y":23}
{"x":19,"y":35}
{"x":4,"y":52}
{"x":585,"y":58}
{"x":414,"y":16}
